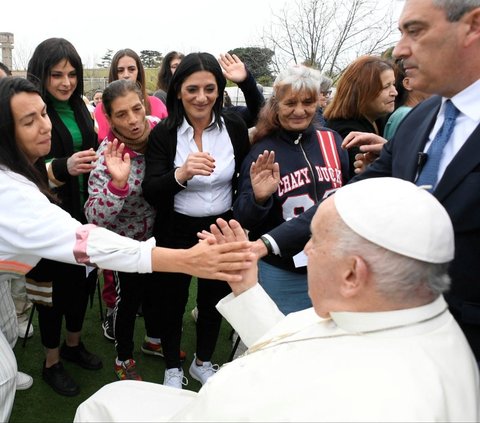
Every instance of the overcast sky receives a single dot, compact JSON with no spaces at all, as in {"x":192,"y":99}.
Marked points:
{"x":93,"y":26}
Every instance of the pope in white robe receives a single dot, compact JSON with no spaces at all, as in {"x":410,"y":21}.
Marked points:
{"x":371,"y":348}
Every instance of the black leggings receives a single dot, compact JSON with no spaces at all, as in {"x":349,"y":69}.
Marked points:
{"x":175,"y":288}
{"x":71,"y":291}
{"x":134,"y":289}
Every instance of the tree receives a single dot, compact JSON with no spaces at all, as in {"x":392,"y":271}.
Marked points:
{"x":106,"y":59}
{"x":258,"y":61}
{"x":329,"y":34}
{"x":150,"y":58}
{"x":21,"y":57}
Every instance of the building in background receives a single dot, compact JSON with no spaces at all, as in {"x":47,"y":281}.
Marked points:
{"x":6,"y":46}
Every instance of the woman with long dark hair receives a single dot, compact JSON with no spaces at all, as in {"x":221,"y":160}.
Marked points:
{"x":32,"y":226}
{"x":168,"y":67}
{"x":192,"y":162}
{"x":56,"y":68}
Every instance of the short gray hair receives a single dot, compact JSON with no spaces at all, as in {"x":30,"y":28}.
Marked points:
{"x":325,"y":83}
{"x":455,"y":9}
{"x":299,"y":78}
{"x":397,"y":277}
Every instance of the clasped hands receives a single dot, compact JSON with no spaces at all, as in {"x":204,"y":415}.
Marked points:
{"x":224,"y":232}
{"x":265,"y":177}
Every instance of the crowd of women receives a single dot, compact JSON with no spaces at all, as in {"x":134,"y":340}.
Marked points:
{"x":159,"y":170}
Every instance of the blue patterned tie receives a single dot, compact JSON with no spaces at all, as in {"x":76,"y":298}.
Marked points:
{"x":428,"y":175}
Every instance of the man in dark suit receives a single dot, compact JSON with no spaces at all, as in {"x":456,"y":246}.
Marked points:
{"x":440,"y":49}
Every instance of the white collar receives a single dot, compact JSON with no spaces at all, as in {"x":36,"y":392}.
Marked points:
{"x":467,"y":101}
{"x":365,"y":322}
{"x":185,"y":126}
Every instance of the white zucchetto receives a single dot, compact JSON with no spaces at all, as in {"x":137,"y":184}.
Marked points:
{"x":398,"y":216}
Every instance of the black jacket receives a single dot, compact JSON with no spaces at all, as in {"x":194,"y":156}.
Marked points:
{"x":62,"y":149}
{"x":159,"y":185}
{"x":305,"y":179}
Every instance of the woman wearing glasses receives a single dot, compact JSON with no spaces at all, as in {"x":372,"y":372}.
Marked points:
{"x":323,"y":99}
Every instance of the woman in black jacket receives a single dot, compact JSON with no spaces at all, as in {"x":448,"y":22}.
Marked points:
{"x":56,"y":68}
{"x":192,"y":163}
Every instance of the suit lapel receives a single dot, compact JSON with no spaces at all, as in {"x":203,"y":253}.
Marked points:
{"x":467,"y":158}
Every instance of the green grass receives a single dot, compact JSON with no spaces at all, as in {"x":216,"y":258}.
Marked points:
{"x":41,"y":404}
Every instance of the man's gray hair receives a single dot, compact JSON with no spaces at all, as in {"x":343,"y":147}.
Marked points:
{"x":455,"y":9}
{"x":325,"y":83}
{"x":397,"y":277}
{"x":299,"y":78}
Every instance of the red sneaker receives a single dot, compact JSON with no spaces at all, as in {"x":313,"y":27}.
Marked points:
{"x":127,"y":370}
{"x":151,"y":348}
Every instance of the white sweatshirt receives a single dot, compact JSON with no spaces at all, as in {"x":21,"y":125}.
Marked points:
{"x":32,"y":228}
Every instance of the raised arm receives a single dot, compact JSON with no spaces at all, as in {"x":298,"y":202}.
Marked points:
{"x":108,"y":185}
{"x":259,"y":178}
{"x":236,"y":71}
{"x":39,"y":229}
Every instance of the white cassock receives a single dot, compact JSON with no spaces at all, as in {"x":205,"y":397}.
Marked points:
{"x":406,"y":365}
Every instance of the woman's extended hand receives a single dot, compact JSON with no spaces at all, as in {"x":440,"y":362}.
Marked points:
{"x":370,"y":146}
{"x":366,"y":141}
{"x":225,"y":233}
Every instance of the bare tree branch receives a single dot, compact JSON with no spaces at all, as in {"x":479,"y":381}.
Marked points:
{"x":329,"y":34}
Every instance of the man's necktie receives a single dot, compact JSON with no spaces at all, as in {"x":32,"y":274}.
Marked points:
{"x":428,"y":175}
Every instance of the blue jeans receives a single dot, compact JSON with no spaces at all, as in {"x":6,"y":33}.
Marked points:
{"x":288,"y":290}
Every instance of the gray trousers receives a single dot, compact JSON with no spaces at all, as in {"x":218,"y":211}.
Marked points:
{"x":20,"y":299}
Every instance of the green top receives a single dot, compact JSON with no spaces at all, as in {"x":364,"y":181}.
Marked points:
{"x":67,"y":116}
{"x":394,"y":120}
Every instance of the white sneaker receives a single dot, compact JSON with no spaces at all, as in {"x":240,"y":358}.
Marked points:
{"x":22,"y":327}
{"x":175,"y":378}
{"x":203,"y":372}
{"x":24,"y":381}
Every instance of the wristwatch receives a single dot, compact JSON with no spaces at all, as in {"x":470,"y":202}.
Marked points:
{"x":267,"y":244}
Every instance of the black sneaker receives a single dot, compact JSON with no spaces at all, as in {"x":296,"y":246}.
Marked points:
{"x":81,"y":356}
{"x":60,"y":381}
{"x":107,"y":327}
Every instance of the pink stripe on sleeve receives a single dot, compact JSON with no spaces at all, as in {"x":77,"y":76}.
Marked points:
{"x":121,"y":192}
{"x":80,"y":247}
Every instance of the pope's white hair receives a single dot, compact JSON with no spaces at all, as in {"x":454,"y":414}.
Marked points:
{"x":397,"y":277}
